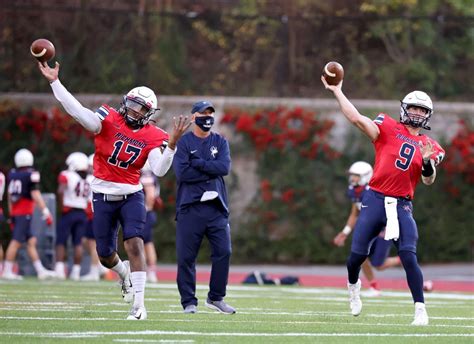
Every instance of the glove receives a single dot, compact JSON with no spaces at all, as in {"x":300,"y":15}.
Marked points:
{"x":47,"y":216}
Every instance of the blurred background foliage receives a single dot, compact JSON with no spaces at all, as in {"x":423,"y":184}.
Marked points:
{"x":248,"y":48}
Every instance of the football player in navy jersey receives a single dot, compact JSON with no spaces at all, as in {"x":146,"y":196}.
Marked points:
{"x":2,"y":217}
{"x":360,"y":173}
{"x":124,"y":141}
{"x":23,"y":195}
{"x":201,"y":162}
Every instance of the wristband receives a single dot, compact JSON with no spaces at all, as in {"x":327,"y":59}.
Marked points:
{"x":347,"y":230}
{"x":427,"y":169}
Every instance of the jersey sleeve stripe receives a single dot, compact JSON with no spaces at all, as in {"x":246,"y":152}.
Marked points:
{"x":379,"y":119}
{"x":102,"y":112}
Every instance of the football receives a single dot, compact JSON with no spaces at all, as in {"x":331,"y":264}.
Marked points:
{"x":333,"y":73}
{"x":42,"y":49}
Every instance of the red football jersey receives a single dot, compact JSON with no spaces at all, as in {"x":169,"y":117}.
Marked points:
{"x":398,"y":158}
{"x":120,"y":151}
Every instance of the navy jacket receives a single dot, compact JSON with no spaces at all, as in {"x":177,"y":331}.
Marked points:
{"x":200,"y":165}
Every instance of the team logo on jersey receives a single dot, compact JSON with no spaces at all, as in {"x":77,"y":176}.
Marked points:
{"x":214,"y":151}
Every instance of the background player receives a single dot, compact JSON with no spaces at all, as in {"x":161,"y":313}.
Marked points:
{"x":2,"y":216}
{"x":73,"y":195}
{"x":151,"y":187}
{"x":23,"y":195}
{"x":402,"y":156}
{"x":96,"y":268}
{"x":124,"y":140}
{"x":360,"y":173}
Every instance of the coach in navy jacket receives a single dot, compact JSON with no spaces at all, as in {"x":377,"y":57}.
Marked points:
{"x":201,"y":161}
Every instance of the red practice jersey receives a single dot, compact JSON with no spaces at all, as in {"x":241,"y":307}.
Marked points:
{"x":120,"y":151}
{"x":398,"y":158}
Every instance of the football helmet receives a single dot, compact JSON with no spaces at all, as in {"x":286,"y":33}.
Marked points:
{"x":362,"y":169}
{"x":23,"y":158}
{"x":138,"y":106}
{"x":77,"y":161}
{"x":419,"y":99}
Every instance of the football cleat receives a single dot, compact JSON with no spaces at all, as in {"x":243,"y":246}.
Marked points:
{"x":12,"y":277}
{"x":373,"y":292}
{"x":428,"y":286}
{"x":190,"y":309}
{"x":91,"y":277}
{"x":137,"y":313}
{"x":421,"y":317}
{"x":354,"y":297}
{"x":219,"y":306}
{"x":126,"y":284}
{"x":46,"y":274}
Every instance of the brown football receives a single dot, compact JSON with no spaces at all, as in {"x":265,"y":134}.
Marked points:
{"x":42,"y":49}
{"x":333,"y":73}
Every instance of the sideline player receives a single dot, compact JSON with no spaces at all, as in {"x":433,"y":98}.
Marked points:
{"x":73,"y":194}
{"x":96,"y":268}
{"x":151,"y":188}
{"x":2,"y":216}
{"x":124,"y":140}
{"x":23,"y":194}
{"x":403,"y":156}
{"x":360,"y":173}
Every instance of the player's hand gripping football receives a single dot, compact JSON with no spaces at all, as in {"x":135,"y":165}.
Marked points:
{"x":181,"y":124}
{"x":427,"y":150}
{"x":51,"y":74}
{"x":332,"y":88}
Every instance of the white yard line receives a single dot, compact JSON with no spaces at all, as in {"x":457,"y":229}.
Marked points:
{"x":90,"y":334}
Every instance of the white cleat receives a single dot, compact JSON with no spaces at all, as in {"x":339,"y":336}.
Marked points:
{"x":126,"y":284}
{"x":12,"y":277}
{"x":354,"y":297}
{"x":151,"y":277}
{"x":90,"y":277}
{"x":372,"y":292}
{"x":421,"y":317}
{"x":47,"y":274}
{"x":137,"y":313}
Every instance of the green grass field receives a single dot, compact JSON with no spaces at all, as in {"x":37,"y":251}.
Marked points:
{"x":93,"y":312}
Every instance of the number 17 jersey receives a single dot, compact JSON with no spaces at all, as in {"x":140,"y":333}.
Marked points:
{"x":398,"y":158}
{"x":120,"y":151}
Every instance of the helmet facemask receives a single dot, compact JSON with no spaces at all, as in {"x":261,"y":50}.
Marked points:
{"x":135,"y":111}
{"x":413,"y":119}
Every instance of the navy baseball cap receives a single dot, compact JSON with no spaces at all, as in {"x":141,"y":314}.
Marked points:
{"x":202,"y":106}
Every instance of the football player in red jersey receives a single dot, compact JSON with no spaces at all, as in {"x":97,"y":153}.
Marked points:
{"x":124,"y":140}
{"x":402,"y":157}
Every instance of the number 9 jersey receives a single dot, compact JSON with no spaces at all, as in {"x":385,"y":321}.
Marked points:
{"x":121,"y":151}
{"x":398,"y":158}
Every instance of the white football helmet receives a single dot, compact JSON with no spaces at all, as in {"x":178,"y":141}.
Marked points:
{"x":419,"y":99}
{"x":142,"y":102}
{"x":362,"y":169}
{"x":23,"y":158}
{"x":77,"y":161}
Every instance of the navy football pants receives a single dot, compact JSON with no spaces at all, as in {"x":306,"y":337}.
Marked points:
{"x":371,"y":221}
{"x":193,"y":223}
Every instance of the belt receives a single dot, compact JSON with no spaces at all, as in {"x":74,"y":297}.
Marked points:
{"x":400,"y":198}
{"x":114,"y":198}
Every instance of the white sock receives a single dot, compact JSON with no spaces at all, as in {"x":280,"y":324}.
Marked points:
{"x":38,"y":266}
{"x":419,"y":305}
{"x":59,"y":268}
{"x":138,"y":281}
{"x":8,"y":267}
{"x":94,"y":270}
{"x":76,"y":270}
{"x":120,"y":269}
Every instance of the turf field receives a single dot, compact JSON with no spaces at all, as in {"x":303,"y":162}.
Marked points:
{"x":93,"y":312}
